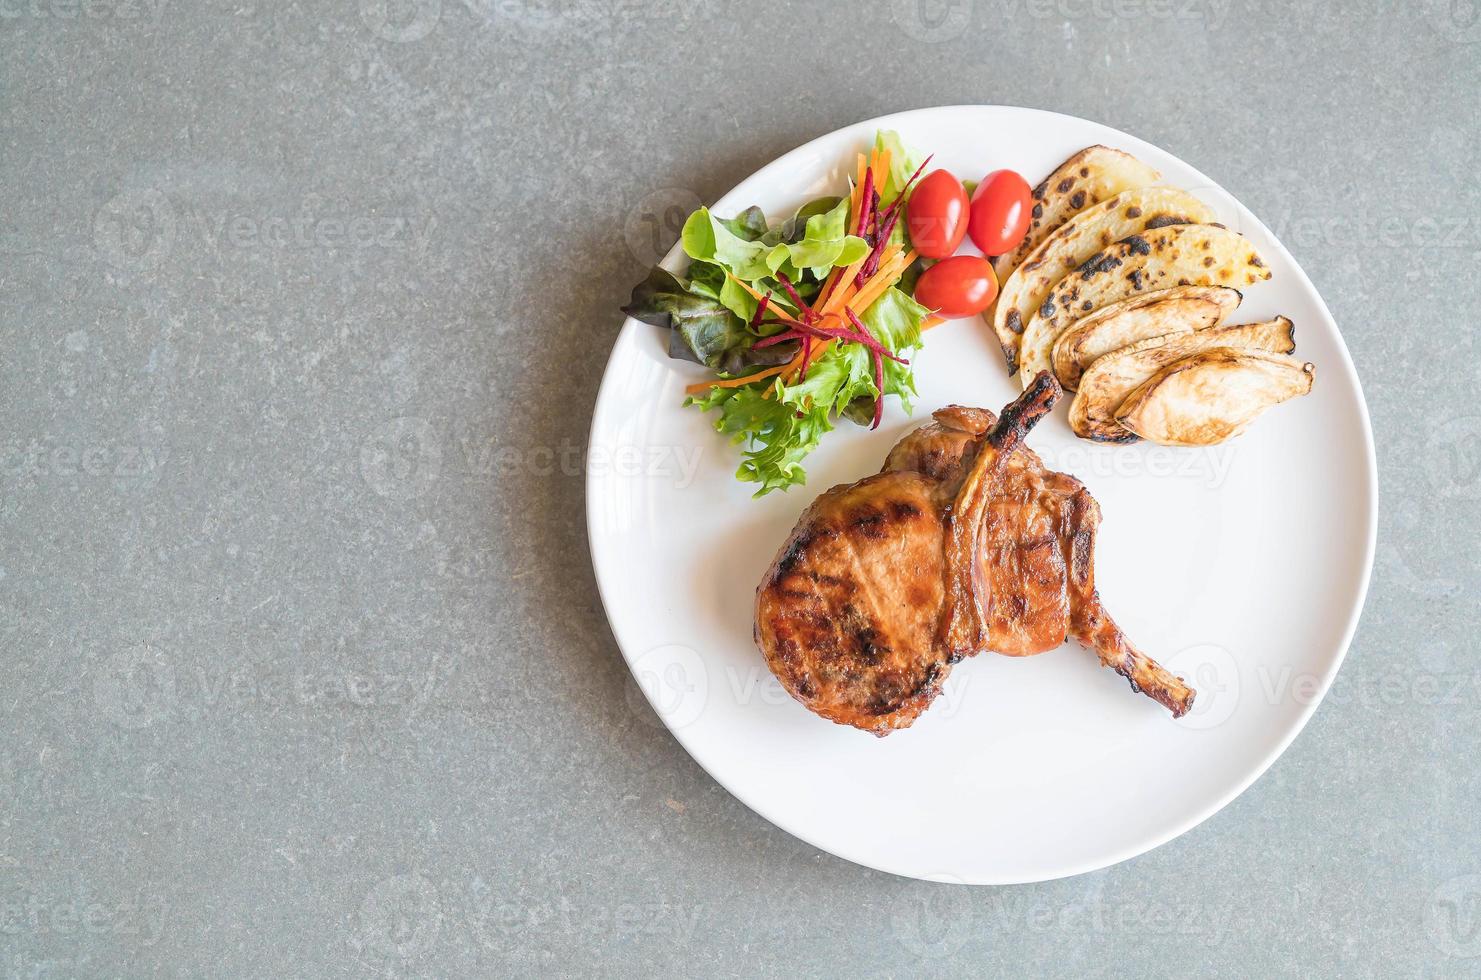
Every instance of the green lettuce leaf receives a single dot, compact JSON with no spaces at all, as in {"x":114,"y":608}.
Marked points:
{"x":903,"y":163}
{"x":823,"y":245}
{"x":708,"y":239}
{"x":749,"y":225}
{"x":709,"y":314}
{"x":795,"y":227}
{"x":702,"y":328}
{"x":709,"y":279}
{"x":778,"y":430}
{"x":895,"y":320}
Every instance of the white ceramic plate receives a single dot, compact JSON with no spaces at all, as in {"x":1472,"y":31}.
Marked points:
{"x":1243,"y":567}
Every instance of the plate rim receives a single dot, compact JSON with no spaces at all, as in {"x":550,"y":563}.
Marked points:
{"x":1238,"y":787}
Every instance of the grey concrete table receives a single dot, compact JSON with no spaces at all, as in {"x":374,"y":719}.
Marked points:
{"x":304,"y":307}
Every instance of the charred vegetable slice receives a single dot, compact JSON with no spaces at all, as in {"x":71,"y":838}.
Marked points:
{"x":1128,"y":213}
{"x":1112,"y":379}
{"x":1213,"y":395}
{"x":1162,"y":313}
{"x":1179,"y":255}
{"x":1087,"y":178}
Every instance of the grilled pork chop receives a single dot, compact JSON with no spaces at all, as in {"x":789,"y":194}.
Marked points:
{"x":965,"y":542}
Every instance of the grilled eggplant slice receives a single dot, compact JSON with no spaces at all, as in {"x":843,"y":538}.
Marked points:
{"x":1087,"y":178}
{"x":1180,"y":255}
{"x":1213,"y":395}
{"x":1128,"y":213}
{"x":1107,"y":384}
{"x":1161,"y":313}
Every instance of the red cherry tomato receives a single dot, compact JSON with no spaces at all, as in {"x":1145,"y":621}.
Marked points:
{"x":962,"y":285}
{"x":937,"y":215}
{"x":1000,"y":212}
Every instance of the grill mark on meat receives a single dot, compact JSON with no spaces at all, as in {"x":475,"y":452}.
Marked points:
{"x":791,"y":593}
{"x":901,"y":510}
{"x":798,"y":546}
{"x":871,"y":525}
{"x":865,"y":638}
{"x":844,"y":617}
{"x":889,"y":701}
{"x":868,"y":641}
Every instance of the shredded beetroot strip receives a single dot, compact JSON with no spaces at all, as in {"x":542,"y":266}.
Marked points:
{"x":874,"y":228}
{"x":805,"y":332}
{"x":866,"y":204}
{"x":887,"y":224}
{"x":868,"y":201}
{"x":878,"y":357}
{"x":761,"y":310}
{"x":780,"y":338}
{"x":797,"y":329}
{"x":807,"y":311}
{"x":879,"y":388}
{"x":868,"y":340}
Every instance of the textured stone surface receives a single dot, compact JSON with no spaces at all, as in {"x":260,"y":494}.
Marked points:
{"x":304,"y":671}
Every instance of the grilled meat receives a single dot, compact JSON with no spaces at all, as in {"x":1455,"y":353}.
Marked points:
{"x":965,"y":542}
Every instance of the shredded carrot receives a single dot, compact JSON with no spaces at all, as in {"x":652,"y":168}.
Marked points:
{"x":828,"y":288}
{"x":842,"y":288}
{"x":846,"y":291}
{"x":744,"y":285}
{"x":819,"y":348}
{"x":875,"y":288}
{"x":887,"y":275}
{"x":881,"y":167}
{"x":839,"y":290}
{"x":931,"y":321}
{"x":696,"y":388}
{"x":840,"y":275}
{"x":879,"y":162}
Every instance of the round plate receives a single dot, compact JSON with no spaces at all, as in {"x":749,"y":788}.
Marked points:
{"x":1242,"y":567}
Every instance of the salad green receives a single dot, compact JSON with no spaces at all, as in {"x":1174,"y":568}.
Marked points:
{"x":776,"y":312}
